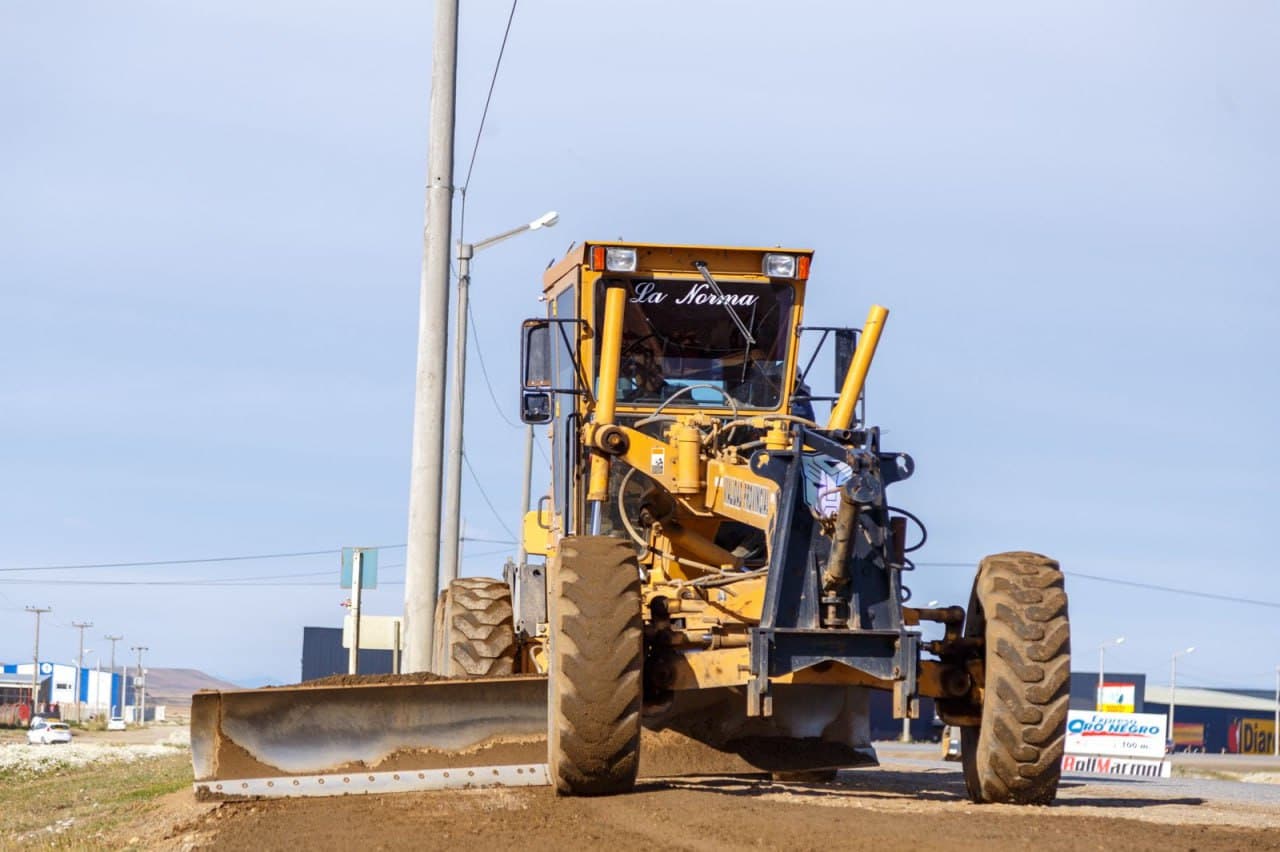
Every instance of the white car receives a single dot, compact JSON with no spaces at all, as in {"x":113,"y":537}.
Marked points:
{"x":116,"y":723}
{"x":47,"y":733}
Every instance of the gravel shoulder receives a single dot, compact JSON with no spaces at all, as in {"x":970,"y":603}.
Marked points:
{"x":911,"y":802}
{"x":138,"y":795}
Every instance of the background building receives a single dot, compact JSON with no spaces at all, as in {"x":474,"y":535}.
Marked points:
{"x":324,"y":655}
{"x":100,"y":692}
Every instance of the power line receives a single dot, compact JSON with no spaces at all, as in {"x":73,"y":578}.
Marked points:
{"x":484,"y":370}
{"x":488,"y":383}
{"x":201,"y":560}
{"x":161,"y":562}
{"x":1176,"y":591}
{"x":483,"y":494}
{"x":484,"y":114}
{"x":1155,"y":587}
{"x":301,"y":553}
{"x":466,"y":556}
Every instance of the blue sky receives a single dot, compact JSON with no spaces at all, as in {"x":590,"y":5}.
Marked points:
{"x":210,"y":232}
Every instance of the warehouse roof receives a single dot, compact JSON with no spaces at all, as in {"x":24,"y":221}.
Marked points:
{"x":1192,"y":697}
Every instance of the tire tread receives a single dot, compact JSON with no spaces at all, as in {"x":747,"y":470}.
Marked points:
{"x":1019,"y":606}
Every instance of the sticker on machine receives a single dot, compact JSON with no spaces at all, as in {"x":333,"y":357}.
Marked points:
{"x":746,"y":496}
{"x":657,"y":461}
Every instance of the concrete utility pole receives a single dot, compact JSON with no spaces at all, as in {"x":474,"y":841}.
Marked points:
{"x":522,"y":555}
{"x":113,"y":640}
{"x":451,"y":531}
{"x":35,"y":658}
{"x":1173,"y":686}
{"x":80,"y":625}
{"x":141,"y":692}
{"x":357,"y":582}
{"x":422,"y":558}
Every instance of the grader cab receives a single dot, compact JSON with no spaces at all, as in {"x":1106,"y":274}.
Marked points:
{"x":720,"y":567}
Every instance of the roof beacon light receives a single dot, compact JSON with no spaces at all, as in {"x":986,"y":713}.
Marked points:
{"x":780,"y":265}
{"x":620,"y":259}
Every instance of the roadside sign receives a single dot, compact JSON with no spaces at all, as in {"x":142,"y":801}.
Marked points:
{"x":1188,"y":734}
{"x":1131,"y":744}
{"x":377,"y":632}
{"x":1116,"y":734}
{"x":1252,"y":736}
{"x":1092,"y":764}
{"x":368,"y":567}
{"x":1117,"y":697}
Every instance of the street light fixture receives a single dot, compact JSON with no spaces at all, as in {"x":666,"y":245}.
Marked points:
{"x":1173,"y":684}
{"x":1119,"y":640}
{"x":451,"y":532}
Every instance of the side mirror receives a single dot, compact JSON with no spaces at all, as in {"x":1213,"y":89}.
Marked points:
{"x":535,"y":355}
{"x":846,"y":343}
{"x":535,"y":407}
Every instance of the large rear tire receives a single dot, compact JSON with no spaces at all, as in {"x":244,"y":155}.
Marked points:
{"x":475,"y":630}
{"x":1019,"y":607}
{"x":595,"y":675}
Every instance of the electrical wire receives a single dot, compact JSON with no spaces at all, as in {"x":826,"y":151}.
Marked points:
{"x":162,"y":562}
{"x":1172,"y":590}
{"x":301,"y":553}
{"x":484,"y":370}
{"x":485,"y":495}
{"x":488,"y":383}
{"x":267,"y":580}
{"x":484,"y":115}
{"x":493,"y":80}
{"x":1195,"y":593}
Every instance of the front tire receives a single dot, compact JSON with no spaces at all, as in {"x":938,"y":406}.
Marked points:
{"x":594,"y":682}
{"x":1019,"y":608}
{"x":475,"y":629}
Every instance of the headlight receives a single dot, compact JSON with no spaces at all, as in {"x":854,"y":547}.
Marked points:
{"x":780,"y":265}
{"x":620,"y":259}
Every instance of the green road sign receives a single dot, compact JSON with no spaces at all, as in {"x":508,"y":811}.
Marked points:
{"x":368,"y":567}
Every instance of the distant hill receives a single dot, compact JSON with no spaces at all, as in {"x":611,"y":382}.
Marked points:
{"x":173,"y":687}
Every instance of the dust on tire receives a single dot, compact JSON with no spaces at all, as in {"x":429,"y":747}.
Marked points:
{"x":1019,"y":606}
{"x":596,"y":659}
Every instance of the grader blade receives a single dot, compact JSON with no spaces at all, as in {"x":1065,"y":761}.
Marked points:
{"x":336,"y":739}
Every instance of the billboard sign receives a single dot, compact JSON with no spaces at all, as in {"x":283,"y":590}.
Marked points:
{"x":377,"y":632}
{"x":1116,"y":734}
{"x":1117,"y":697}
{"x":1252,"y":736}
{"x":1188,"y":734}
{"x":1093,"y":764}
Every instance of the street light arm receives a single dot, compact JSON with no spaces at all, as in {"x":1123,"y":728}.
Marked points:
{"x":546,"y":220}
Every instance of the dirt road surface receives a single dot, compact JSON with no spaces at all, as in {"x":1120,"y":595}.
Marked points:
{"x":909,"y":803}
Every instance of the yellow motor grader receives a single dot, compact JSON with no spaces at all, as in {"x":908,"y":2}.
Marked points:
{"x":719,"y":567}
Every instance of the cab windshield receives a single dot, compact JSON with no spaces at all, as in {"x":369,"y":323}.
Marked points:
{"x":679,"y":333}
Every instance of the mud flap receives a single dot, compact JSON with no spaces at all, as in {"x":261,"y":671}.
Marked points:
{"x":369,"y":737}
